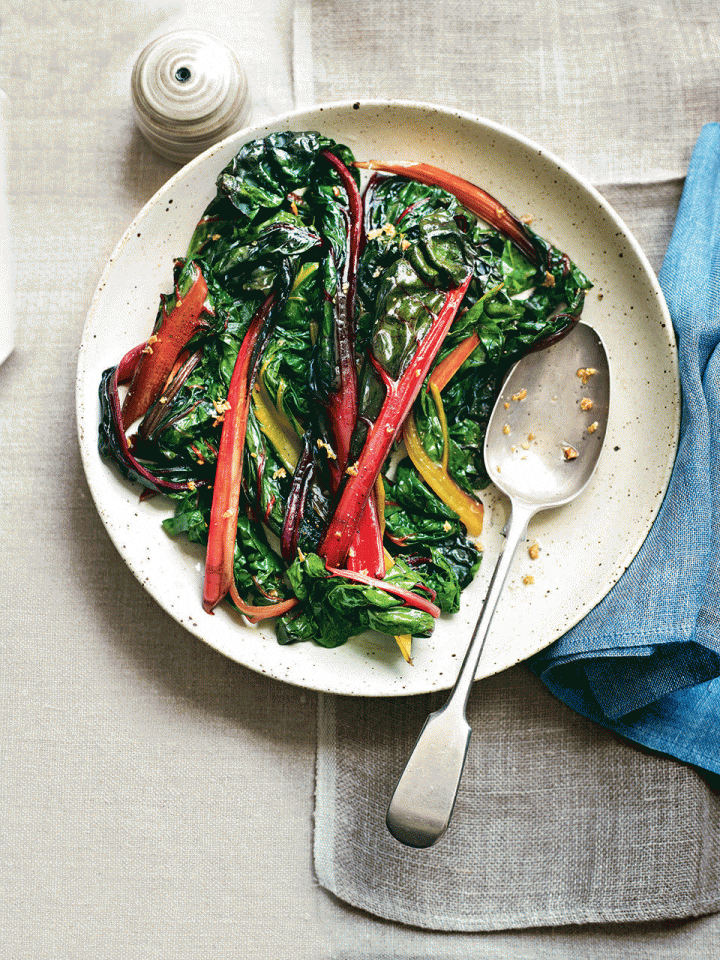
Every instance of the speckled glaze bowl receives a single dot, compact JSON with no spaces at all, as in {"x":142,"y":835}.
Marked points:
{"x":189,"y":91}
{"x":583,"y":547}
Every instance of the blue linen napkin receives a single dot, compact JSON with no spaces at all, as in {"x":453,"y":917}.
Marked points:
{"x":645,"y":662}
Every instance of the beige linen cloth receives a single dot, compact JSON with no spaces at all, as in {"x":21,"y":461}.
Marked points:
{"x":156,"y":798}
{"x":7,"y":266}
{"x":557,"y":821}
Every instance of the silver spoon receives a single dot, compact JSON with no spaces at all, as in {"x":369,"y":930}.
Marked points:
{"x":542,"y":445}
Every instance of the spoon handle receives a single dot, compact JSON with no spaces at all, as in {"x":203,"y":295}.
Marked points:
{"x":421,"y":807}
{"x":516,"y":532}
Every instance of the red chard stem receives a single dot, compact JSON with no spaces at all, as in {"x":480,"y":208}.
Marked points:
{"x":400,"y":396}
{"x":163,"y":348}
{"x":222,"y":531}
{"x":474,"y":198}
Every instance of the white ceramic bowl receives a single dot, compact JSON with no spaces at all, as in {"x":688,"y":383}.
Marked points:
{"x":585,"y":546}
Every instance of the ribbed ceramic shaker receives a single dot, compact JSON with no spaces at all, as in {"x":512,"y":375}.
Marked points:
{"x":189,"y":91}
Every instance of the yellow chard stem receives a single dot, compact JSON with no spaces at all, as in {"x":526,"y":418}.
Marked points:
{"x":276,"y":427}
{"x":435,"y":393}
{"x":403,"y":640}
{"x":439,"y":480}
{"x":380,"y":501}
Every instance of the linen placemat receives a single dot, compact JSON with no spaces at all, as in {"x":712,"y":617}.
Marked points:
{"x":558,"y":821}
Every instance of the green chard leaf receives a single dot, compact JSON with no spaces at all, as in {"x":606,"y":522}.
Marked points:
{"x":425,"y":532}
{"x":335,"y":609}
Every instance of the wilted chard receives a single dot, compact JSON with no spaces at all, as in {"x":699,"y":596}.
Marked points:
{"x":333,"y":380}
{"x":310,"y":332}
{"x":417,"y":299}
{"x":524,"y":293}
{"x":148,"y":368}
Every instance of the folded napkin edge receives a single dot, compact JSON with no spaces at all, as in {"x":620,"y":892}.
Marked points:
{"x":642,"y":730}
{"x":636,"y":912}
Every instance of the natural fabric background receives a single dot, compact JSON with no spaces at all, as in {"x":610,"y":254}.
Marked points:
{"x":156,"y":800}
{"x":556,"y":822}
{"x":617,"y":88}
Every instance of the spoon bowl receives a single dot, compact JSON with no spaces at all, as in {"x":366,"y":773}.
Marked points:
{"x":542,"y":445}
{"x":548,"y":424}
